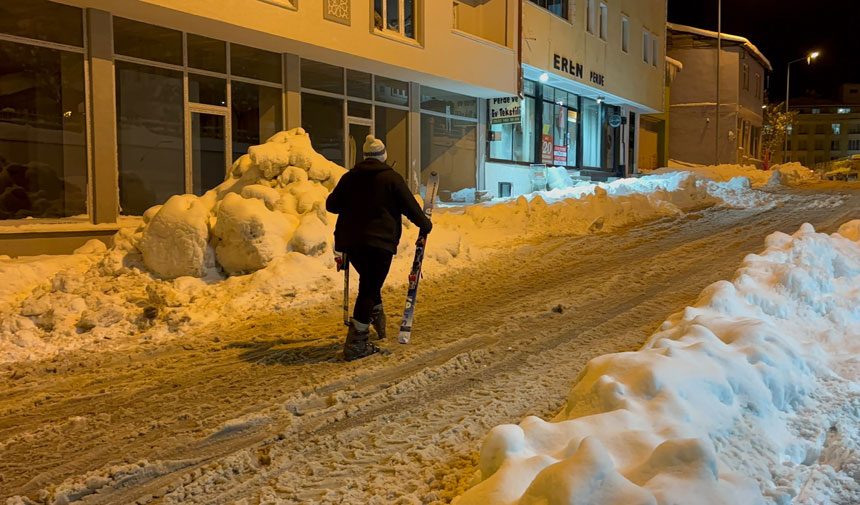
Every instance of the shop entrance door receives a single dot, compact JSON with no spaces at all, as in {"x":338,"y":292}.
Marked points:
{"x":357,"y":132}
{"x":207,"y":148}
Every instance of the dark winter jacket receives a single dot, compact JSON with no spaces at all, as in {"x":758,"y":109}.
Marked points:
{"x":370,"y":200}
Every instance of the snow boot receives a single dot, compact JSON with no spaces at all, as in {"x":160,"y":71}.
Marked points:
{"x":377,"y":320}
{"x":357,"y":345}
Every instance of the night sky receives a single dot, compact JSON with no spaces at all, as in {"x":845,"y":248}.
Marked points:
{"x":785,"y":30}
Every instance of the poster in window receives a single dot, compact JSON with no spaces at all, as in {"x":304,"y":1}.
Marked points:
{"x":546,"y":149}
{"x":505,"y":110}
{"x":559,"y":154}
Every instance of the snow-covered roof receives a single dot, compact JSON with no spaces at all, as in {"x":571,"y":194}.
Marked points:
{"x":724,"y":36}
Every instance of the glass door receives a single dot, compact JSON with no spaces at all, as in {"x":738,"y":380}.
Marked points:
{"x":208,"y":149}
{"x":357,"y":132}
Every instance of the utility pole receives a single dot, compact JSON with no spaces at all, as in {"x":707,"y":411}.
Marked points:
{"x":719,"y":51}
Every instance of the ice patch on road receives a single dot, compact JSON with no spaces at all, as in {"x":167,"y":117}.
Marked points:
{"x":737,"y":399}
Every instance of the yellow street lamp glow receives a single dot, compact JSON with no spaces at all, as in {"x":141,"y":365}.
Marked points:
{"x":811,"y":57}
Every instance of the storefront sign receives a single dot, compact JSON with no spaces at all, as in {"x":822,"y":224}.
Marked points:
{"x":596,"y":78}
{"x":505,"y":110}
{"x":559,"y":154}
{"x":546,"y":152}
{"x":567,"y":66}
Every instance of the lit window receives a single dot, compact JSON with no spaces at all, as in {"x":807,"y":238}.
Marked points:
{"x":557,"y":7}
{"x":397,"y":16}
{"x":836,"y":128}
{"x":646,"y":46}
{"x":604,"y":21}
{"x":625,"y":35}
{"x":816,"y":111}
{"x":843,"y":110}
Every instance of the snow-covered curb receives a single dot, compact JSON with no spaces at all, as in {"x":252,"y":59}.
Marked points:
{"x":714,"y":409}
{"x":110,"y":300}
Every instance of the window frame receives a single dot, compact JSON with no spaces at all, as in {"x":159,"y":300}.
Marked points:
{"x":603,"y":21}
{"x":646,"y":46}
{"x":625,"y":34}
{"x":590,"y":16}
{"x":400,"y":33}
{"x":655,"y":50}
{"x":83,"y":50}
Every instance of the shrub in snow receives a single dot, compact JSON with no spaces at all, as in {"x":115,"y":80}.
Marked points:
{"x":272,"y":202}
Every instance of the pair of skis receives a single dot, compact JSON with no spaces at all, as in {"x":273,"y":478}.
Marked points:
{"x":405,"y":334}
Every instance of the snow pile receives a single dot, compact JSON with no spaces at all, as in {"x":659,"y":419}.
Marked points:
{"x":271,"y":203}
{"x":261,"y":241}
{"x":711,"y":409}
{"x":788,"y":173}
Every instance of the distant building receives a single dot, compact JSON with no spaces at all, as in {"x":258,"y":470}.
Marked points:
{"x":693,"y":103}
{"x":825,"y":129}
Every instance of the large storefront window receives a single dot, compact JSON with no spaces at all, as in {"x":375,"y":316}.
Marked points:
{"x":150,"y":135}
{"x":449,"y":127}
{"x":449,"y":147}
{"x":340,"y":107}
{"x":322,"y":118}
{"x":43,"y":156}
{"x":168,"y":145}
{"x":591,"y":132}
{"x":516,"y":141}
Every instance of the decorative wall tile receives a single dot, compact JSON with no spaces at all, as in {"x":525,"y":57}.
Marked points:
{"x":337,"y":11}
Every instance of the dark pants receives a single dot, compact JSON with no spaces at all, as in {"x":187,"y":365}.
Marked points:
{"x":372,"y":264}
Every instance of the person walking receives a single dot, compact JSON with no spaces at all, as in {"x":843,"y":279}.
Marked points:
{"x":370,"y":201}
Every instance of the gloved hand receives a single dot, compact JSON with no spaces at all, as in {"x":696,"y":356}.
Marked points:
{"x":340,"y":260}
{"x":426,"y":230}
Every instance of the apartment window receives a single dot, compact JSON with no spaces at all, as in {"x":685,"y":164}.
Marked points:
{"x":802,"y":145}
{"x":803,"y":130}
{"x":43,"y":112}
{"x":843,"y":110}
{"x":646,"y":46}
{"x":655,"y":50}
{"x":855,"y":129}
{"x":557,"y":7}
{"x":758,"y":85}
{"x":746,"y":77}
{"x":789,"y":129}
{"x":854,"y":145}
{"x":590,"y":16}
{"x":834,"y":145}
{"x":396,"y":16}
{"x":836,"y":127}
{"x":820,"y":129}
{"x":788,"y":146}
{"x":604,"y":21}
{"x":625,"y":34}
{"x":816,"y":111}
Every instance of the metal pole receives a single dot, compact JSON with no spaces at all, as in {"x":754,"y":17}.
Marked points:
{"x":719,"y":50}
{"x":787,"y":81}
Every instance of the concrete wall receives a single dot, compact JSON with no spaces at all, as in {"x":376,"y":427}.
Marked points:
{"x":517,"y":175}
{"x":693,"y":104}
{"x":625,"y":75}
{"x":440,"y":57}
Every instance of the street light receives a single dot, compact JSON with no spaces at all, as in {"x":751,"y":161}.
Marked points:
{"x":809,"y":58}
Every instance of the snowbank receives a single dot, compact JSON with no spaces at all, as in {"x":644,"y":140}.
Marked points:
{"x":262,"y":240}
{"x":785,"y":174}
{"x":711,"y":409}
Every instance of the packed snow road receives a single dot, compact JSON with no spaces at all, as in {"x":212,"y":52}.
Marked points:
{"x":262,"y":410}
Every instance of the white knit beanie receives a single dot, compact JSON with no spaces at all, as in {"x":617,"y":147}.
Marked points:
{"x":374,"y":148}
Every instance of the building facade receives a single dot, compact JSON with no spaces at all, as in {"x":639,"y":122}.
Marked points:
{"x":824,"y":129}
{"x":108,"y":107}
{"x":693,"y":105}
{"x":591,"y":68}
